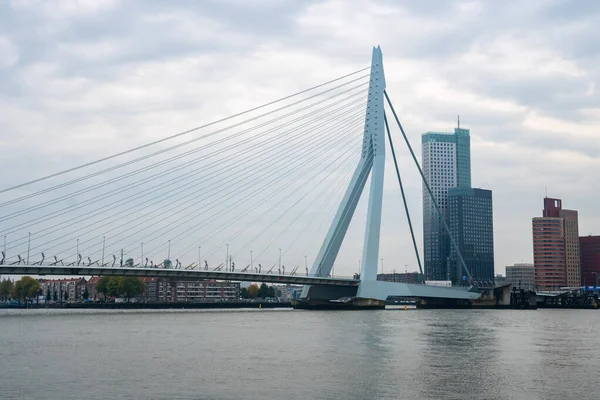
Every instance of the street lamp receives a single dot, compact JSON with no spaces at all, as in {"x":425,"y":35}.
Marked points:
{"x":227,"y":258}
{"x":28,"y":247}
{"x":103,"y":246}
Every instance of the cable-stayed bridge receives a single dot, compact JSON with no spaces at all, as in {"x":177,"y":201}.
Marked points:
{"x":272,"y":186}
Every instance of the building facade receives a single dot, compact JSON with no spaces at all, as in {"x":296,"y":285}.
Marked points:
{"x":184,"y":290}
{"x":572,"y":256}
{"x":589,"y":247}
{"x":57,"y":288}
{"x":556,"y":255}
{"x":402,"y":277}
{"x":471,"y":222}
{"x":549,"y":253}
{"x":446,"y":159}
{"x":521,"y":275}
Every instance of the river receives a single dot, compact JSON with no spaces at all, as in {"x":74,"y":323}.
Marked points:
{"x":285,"y":354}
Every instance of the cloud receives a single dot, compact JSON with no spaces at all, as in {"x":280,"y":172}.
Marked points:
{"x":9,"y":55}
{"x":81,"y":79}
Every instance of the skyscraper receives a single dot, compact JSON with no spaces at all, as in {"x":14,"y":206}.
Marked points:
{"x":556,"y":247}
{"x":446,"y":164}
{"x":470,"y":218}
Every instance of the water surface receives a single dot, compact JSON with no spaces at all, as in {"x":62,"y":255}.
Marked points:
{"x":273,"y":354}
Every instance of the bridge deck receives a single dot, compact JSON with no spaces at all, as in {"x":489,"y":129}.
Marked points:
{"x":173,"y":273}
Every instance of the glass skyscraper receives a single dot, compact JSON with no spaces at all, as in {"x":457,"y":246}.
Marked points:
{"x":471,"y":223}
{"x":446,"y":163}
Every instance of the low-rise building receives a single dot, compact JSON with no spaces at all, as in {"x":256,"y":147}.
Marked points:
{"x":521,"y":275}
{"x":180,"y":290}
{"x":56,"y":288}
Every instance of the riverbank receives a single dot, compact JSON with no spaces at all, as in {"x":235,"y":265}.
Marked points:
{"x":156,"y":306}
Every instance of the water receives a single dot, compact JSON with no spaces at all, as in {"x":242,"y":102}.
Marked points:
{"x":281,"y":354}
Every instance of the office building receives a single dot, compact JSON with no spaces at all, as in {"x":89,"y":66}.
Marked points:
{"x":589,"y":247}
{"x":470,"y":219}
{"x":556,"y":255}
{"x":521,"y":275}
{"x":446,"y":163}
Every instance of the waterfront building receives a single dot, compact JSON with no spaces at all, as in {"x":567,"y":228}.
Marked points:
{"x":589,"y":247}
{"x":184,"y":290}
{"x":470,"y":218}
{"x":74,"y":288}
{"x":556,"y":255}
{"x":446,"y":160}
{"x":91,"y":287}
{"x":500,"y":280}
{"x":521,"y":275}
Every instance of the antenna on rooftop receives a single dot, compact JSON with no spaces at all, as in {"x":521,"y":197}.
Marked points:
{"x":459,"y":122}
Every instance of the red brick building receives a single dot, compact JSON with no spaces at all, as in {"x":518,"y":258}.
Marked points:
{"x":589,"y":247}
{"x":556,"y":255}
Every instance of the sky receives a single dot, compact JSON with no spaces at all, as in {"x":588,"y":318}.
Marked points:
{"x":82,"y":79}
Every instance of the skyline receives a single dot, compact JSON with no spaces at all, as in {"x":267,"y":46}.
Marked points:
{"x":85,"y":75}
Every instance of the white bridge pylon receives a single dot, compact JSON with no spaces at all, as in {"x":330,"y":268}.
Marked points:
{"x":372,"y":162}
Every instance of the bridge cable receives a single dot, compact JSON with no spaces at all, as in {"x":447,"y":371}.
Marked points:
{"x":179,"y":134}
{"x":168,"y":183}
{"x":298,"y":216}
{"x":287,"y":197}
{"x":290,"y":182}
{"x":216,"y":203}
{"x":412,"y":233}
{"x":161,"y":214}
{"x":135,"y":172}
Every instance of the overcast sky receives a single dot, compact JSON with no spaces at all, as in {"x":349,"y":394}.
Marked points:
{"x":80,"y":79}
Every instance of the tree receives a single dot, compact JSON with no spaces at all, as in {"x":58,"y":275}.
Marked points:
{"x":55,"y":296}
{"x":85,"y":294}
{"x":271,"y":291}
{"x":252,"y":291}
{"x":278,"y":292}
{"x":244,"y":293}
{"x":48,"y":295}
{"x":112,"y":286}
{"x":127,"y":286}
{"x":6,"y":288}
{"x":263,"y":291}
{"x":102,"y":286}
{"x":130,"y":286}
{"x":25,"y":288}
{"x":66,"y":294}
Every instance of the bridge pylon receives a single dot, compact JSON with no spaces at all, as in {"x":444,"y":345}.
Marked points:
{"x":372,"y":162}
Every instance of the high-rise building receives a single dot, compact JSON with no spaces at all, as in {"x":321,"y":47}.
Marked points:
{"x":572,"y":256}
{"x":556,"y":247}
{"x":521,"y":275}
{"x":470,"y":219}
{"x":589,"y":247}
{"x":446,"y":164}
